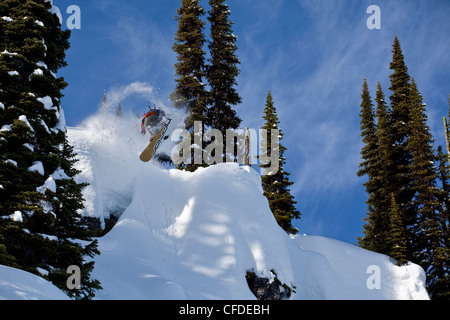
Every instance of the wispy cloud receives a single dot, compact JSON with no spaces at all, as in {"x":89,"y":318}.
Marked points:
{"x":316,"y":79}
{"x":316,"y":91}
{"x":143,"y":48}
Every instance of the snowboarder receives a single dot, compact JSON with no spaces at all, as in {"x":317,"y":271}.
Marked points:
{"x":152,"y":121}
{"x":160,"y":127}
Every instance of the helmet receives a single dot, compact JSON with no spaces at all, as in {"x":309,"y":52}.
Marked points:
{"x":152,"y":120}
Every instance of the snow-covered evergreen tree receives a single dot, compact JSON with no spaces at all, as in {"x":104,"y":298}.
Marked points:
{"x":39,"y":223}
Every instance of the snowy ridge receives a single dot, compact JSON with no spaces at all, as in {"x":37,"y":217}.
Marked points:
{"x":195,"y":235}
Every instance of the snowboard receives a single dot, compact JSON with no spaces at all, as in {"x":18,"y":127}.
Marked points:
{"x":169,"y":125}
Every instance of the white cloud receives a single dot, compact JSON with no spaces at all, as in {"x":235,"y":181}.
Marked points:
{"x":145,"y":48}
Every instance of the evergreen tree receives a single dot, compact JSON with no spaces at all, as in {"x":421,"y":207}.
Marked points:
{"x":399,"y":121}
{"x":222,"y":69}
{"x":444,"y":178}
{"x":68,"y":227}
{"x":408,"y":213}
{"x":397,"y":238}
{"x":276,"y":185}
{"x":190,"y":92}
{"x":370,"y":139}
{"x":444,"y":174}
{"x":429,"y":247}
{"x":440,"y":285}
{"x":375,"y":155}
{"x":448,"y":108}
{"x":386,"y":166}
{"x":425,"y":230}
{"x":391,"y":161}
{"x":367,"y":166}
{"x":39,"y":199}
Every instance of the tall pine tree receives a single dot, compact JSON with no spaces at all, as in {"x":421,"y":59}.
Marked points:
{"x":372,"y":166}
{"x":444,"y":179}
{"x":425,"y":229}
{"x":276,"y":186}
{"x":369,"y":137}
{"x":396,"y":239}
{"x":408,"y":211}
{"x":222,"y":69}
{"x":385,"y":193}
{"x":439,"y":285}
{"x":391,"y":175}
{"x":399,"y":121}
{"x":40,"y":228}
{"x":190,"y":92}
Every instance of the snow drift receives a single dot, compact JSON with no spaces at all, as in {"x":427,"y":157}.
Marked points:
{"x":195,"y":235}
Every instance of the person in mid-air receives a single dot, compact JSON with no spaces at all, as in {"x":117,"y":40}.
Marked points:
{"x":152,"y":121}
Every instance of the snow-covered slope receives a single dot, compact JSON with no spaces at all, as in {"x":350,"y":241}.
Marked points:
{"x":195,"y":235}
{"x":354,"y":272}
{"x":20,"y":285}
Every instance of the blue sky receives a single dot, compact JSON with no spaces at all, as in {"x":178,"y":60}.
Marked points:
{"x":312,"y":54}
